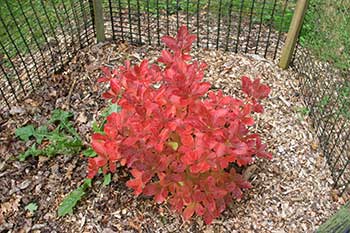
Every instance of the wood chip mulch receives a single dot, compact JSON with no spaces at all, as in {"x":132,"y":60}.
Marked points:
{"x":291,"y":193}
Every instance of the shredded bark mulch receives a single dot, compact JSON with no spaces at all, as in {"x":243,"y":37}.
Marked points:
{"x":291,"y":193}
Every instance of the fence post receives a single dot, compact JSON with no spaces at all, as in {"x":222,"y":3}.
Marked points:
{"x":339,"y":222}
{"x":293,"y":33}
{"x":99,"y":21}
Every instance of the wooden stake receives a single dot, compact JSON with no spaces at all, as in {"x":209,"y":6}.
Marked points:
{"x":99,"y":21}
{"x":338,"y":223}
{"x":293,"y":33}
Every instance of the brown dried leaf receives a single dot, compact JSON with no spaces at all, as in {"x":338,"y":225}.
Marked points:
{"x":10,"y":206}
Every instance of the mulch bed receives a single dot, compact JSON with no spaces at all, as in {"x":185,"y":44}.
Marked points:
{"x":291,"y":193}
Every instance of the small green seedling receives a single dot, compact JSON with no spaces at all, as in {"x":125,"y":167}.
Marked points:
{"x":31,"y":207}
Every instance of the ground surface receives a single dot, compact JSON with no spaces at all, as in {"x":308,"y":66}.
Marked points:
{"x":291,"y":193}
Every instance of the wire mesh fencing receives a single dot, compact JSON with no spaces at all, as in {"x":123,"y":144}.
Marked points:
{"x":323,"y":60}
{"x":249,"y":26}
{"x":36,"y":39}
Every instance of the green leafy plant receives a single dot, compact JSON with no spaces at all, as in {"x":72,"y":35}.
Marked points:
{"x":70,"y":201}
{"x":62,"y":139}
{"x":31,"y":207}
{"x":89,"y":152}
{"x":26,"y":132}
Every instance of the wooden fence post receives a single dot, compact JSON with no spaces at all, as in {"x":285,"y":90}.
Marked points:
{"x":338,"y":223}
{"x":99,"y":21}
{"x":293,"y":33}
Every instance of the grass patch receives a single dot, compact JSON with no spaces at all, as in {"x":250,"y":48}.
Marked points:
{"x":326,"y":31}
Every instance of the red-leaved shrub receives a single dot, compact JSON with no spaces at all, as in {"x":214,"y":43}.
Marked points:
{"x":178,"y":137}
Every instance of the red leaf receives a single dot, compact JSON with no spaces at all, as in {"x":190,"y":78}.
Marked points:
{"x":170,"y":42}
{"x":200,"y":167}
{"x":151,"y":189}
{"x":254,"y":89}
{"x":161,"y":196}
{"x":94,"y":165}
{"x":198,"y":196}
{"x":220,"y":113}
{"x":201,"y":89}
{"x":136,"y":183}
{"x":240,"y":148}
{"x":260,"y":150}
{"x":187,"y":140}
{"x":246,"y":85}
{"x":208,"y":217}
{"x":166,"y":58}
{"x":199,"y":209}
{"x":98,"y":144}
{"x":188,"y":212}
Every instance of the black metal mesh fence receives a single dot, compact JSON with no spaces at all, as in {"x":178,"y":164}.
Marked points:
{"x":323,"y":60}
{"x":36,"y":39}
{"x":249,"y":26}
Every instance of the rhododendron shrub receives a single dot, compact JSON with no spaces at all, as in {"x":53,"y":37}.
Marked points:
{"x":178,"y":137}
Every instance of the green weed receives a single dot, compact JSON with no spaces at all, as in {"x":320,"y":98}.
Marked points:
{"x":62,"y":139}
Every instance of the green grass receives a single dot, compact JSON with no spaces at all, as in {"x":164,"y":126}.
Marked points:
{"x":326,"y":31}
{"x":28,"y":28}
